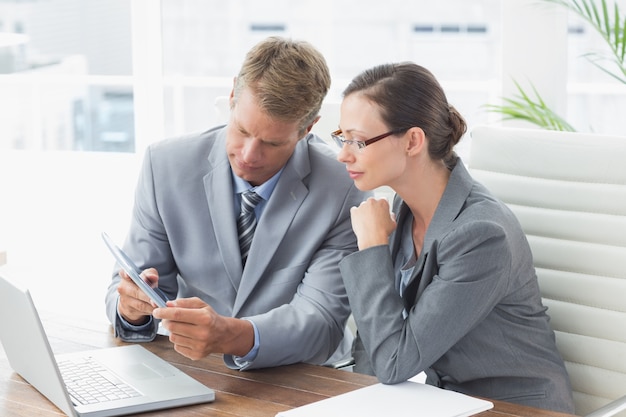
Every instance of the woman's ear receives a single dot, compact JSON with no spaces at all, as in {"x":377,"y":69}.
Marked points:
{"x":416,"y":141}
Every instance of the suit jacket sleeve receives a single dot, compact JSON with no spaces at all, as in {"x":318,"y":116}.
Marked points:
{"x":141,"y":246}
{"x":462,"y":280}
{"x":311,"y":325}
{"x":183,"y":225}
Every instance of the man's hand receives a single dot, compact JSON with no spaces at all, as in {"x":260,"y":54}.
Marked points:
{"x":135,"y":306}
{"x":196,"y":330}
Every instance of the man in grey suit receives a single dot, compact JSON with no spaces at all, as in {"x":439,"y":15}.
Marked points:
{"x":285,"y":302}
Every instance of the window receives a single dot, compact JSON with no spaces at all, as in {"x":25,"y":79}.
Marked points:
{"x":61,"y":63}
{"x":87,"y":84}
{"x":596,"y":102}
{"x":460,"y":44}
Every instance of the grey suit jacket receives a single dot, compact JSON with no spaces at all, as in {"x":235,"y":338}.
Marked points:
{"x":183,"y":224}
{"x":475,"y":323}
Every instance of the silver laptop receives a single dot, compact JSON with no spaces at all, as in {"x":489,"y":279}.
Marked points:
{"x":133,"y":378}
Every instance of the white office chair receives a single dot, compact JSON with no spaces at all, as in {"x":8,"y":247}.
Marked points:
{"x":569,"y":192}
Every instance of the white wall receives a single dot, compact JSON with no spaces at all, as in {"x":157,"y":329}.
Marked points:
{"x":54,"y":206}
{"x":534,"y":51}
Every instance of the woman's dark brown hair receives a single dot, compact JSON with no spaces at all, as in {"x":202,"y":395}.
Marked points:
{"x":409,"y":95}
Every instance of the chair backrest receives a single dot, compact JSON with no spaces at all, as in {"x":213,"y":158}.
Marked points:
{"x":569,"y":192}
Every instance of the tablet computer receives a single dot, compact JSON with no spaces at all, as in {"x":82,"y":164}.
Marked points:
{"x":131,"y":269}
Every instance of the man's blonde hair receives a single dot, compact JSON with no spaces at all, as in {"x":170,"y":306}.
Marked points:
{"x":288,"y":78}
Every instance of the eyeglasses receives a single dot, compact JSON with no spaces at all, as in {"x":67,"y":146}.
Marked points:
{"x":339,"y":138}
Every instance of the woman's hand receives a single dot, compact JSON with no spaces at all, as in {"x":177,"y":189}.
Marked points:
{"x":372,"y":222}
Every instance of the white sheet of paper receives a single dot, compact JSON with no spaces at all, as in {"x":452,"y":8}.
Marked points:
{"x":404,"y":399}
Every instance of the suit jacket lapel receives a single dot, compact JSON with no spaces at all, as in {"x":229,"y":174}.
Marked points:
{"x":272,"y":227}
{"x":451,"y":204}
{"x":219,"y":194}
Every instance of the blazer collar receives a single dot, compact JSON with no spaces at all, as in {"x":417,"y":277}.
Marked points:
{"x":287,"y":197}
{"x":218,"y":189}
{"x":449,"y":207}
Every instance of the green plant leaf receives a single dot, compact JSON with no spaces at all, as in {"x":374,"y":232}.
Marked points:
{"x":612,"y":28}
{"x":530,"y":109}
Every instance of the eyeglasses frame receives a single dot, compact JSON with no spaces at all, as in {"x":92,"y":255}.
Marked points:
{"x":337,"y":136}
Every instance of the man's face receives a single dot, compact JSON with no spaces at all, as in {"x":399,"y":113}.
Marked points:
{"x":257,"y":145}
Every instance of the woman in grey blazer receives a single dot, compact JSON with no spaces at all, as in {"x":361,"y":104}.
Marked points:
{"x":445,"y":284}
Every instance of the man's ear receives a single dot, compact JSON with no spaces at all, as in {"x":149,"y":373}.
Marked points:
{"x":309,"y":127}
{"x":231,"y":98}
{"x":416,"y":141}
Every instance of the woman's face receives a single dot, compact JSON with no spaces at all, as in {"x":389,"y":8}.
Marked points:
{"x":378,"y":164}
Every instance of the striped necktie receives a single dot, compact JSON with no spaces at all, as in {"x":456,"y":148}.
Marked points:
{"x":246,"y":222}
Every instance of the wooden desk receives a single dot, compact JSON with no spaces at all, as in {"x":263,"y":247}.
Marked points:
{"x":255,"y":393}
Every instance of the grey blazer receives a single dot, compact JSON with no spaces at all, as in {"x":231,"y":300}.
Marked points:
{"x":183,"y":224}
{"x":475,"y":323}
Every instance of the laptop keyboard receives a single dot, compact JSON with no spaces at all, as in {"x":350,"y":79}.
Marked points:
{"x":88,"y":382}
